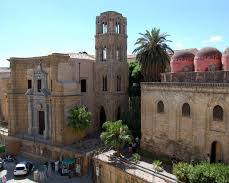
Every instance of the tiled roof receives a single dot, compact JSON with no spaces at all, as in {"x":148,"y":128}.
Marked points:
{"x":82,"y":55}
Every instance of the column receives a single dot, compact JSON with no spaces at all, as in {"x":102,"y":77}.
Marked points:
{"x":46,"y":122}
{"x":29,"y":116}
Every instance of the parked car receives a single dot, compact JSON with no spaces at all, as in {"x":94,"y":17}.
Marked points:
{"x":2,"y":163}
{"x":23,"y":168}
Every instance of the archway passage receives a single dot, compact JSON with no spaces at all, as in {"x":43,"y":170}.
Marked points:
{"x":119,"y":113}
{"x":102,"y":117}
{"x":41,"y":122}
{"x":216,"y":152}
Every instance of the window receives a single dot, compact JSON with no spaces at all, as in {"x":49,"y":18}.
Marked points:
{"x":160,"y":107}
{"x":83,"y":85}
{"x":29,"y":84}
{"x":186,"y":110}
{"x":51,"y":85}
{"x":118,"y":55}
{"x":39,"y":85}
{"x":218,"y":113}
{"x":104,"y":56}
{"x":118,"y":83}
{"x":104,"y":83}
{"x":117,"y":28}
{"x":104,"y":28}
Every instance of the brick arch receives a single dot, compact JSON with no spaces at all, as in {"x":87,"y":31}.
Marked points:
{"x":186,"y":110}
{"x":102,"y":116}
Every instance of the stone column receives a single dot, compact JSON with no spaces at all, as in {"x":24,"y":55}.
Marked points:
{"x":30,"y":119}
{"x":46,"y":122}
{"x":50,"y":120}
{"x":35,"y":120}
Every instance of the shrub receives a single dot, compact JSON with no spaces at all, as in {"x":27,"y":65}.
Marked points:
{"x":202,"y":173}
{"x":135,"y":157}
{"x":157,"y":165}
{"x":79,"y":118}
{"x":182,"y":171}
{"x":210,"y":173}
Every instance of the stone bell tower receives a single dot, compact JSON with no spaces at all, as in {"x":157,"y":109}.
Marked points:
{"x":111,"y":67}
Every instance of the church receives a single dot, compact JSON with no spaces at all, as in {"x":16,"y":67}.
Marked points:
{"x":43,"y":89}
{"x":186,"y":115}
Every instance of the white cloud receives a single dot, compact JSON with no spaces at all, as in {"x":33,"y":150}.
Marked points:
{"x":179,"y":45}
{"x":214,"y":39}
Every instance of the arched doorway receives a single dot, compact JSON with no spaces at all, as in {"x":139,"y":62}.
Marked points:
{"x":216,"y":152}
{"x":119,"y":113}
{"x":102,"y":117}
{"x":41,"y":116}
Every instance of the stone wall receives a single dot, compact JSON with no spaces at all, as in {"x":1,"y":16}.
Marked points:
{"x":105,"y":170}
{"x":197,"y":77}
{"x":188,"y":137}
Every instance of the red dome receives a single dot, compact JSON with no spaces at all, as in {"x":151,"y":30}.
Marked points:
{"x":182,"y":61}
{"x":225,"y":60}
{"x":208,"y":59}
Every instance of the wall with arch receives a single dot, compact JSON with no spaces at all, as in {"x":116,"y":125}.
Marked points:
{"x":187,"y":133}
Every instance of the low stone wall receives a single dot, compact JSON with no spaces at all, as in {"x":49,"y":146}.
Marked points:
{"x":107,"y":170}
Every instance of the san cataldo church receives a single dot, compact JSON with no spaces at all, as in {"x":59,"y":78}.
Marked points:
{"x":186,"y":114}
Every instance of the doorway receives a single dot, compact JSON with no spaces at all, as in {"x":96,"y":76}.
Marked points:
{"x":102,"y":117}
{"x":119,"y":113}
{"x":41,"y":122}
{"x":216,"y":152}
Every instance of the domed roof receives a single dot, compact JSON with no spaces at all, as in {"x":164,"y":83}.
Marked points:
{"x":208,"y":51}
{"x":226,"y":51}
{"x":183,"y":54}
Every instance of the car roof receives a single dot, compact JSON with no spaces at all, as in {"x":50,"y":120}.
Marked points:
{"x":20,"y":165}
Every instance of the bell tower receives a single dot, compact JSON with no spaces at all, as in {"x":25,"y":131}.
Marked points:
{"x":111,"y":67}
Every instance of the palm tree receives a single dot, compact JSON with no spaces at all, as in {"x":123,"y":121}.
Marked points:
{"x":116,"y":135}
{"x":153,"y":53}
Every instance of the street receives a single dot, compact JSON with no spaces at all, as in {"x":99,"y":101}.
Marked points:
{"x":54,"y":177}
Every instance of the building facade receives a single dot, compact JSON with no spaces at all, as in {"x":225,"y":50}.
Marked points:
{"x":186,"y":115}
{"x":43,"y":89}
{"x":4,"y":79}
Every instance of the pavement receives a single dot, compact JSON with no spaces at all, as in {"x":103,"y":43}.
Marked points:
{"x":54,"y":177}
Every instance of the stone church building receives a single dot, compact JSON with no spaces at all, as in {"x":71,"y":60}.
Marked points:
{"x":186,"y":114}
{"x":43,"y":89}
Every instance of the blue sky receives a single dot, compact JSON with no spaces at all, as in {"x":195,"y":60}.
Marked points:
{"x":40,"y":27}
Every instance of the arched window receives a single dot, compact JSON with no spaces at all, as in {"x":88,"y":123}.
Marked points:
{"x":104,"y":83}
{"x":104,"y":28}
{"x":117,"y":55}
{"x":218,"y":113}
{"x":160,"y":107}
{"x":117,"y":27}
{"x":118,"y":83}
{"x":119,"y":113}
{"x":104,"y":54}
{"x":186,"y":110}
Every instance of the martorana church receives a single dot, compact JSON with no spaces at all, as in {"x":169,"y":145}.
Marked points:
{"x":42,"y":90}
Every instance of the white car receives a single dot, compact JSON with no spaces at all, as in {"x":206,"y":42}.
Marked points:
{"x":23,"y":168}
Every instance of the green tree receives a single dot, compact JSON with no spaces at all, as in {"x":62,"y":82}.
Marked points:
{"x":116,"y":135}
{"x":132,"y":117}
{"x":79,"y":118}
{"x":135,"y":77}
{"x":153,"y":54}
